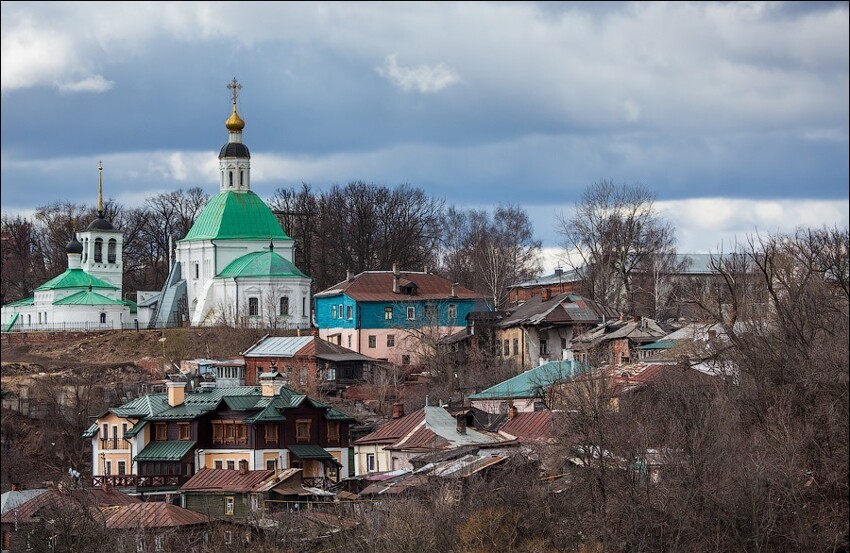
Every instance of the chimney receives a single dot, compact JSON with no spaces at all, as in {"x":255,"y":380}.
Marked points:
{"x":512,"y":412}
{"x":243,"y":467}
{"x":16,"y":487}
{"x":545,"y":293}
{"x":461,"y":424}
{"x":396,"y":277}
{"x":425,"y":269}
{"x":398,"y":410}
{"x":176,"y":392}
{"x":271,"y":383}
{"x":454,"y":289}
{"x":348,"y":275}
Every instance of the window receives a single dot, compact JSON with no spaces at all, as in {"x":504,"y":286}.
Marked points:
{"x":507,"y":349}
{"x":218,"y":463}
{"x":340,"y":311}
{"x":349,"y":312}
{"x":372,"y":341}
{"x":452,"y":311}
{"x":160,"y":431}
{"x":563,"y":343}
{"x":370,"y":462}
{"x":516,"y":346}
{"x":98,"y":250}
{"x":197,"y":270}
{"x":241,"y":177}
{"x":405,"y":360}
{"x":231,"y":464}
{"x":122,"y":468}
{"x":111,"y":250}
{"x":333,"y":432}
{"x":105,"y":431}
{"x":230,"y":178}
{"x":271,"y":464}
{"x":430,"y":312}
{"x":228,"y":535}
{"x":123,"y":429}
{"x":253,"y":307}
{"x":349,"y":341}
{"x":102,"y":318}
{"x":108,"y":469}
{"x":411,"y":313}
{"x":284,"y":305}
{"x":302,"y":430}
{"x":158,"y":542}
{"x":544,"y":347}
{"x":304,"y":307}
{"x":388,"y":313}
{"x":185,"y":430}
{"x":271,"y":433}
{"x":390,"y":340}
{"x":228,"y":508}
{"x":333,"y":312}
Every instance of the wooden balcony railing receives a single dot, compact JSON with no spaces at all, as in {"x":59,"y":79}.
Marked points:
{"x":136,"y":481}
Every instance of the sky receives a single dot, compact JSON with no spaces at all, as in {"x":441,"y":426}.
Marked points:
{"x":734,"y":114}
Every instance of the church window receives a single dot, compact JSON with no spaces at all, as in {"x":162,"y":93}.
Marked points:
{"x":253,"y":307}
{"x":304,"y":306}
{"x":241,"y":178}
{"x":98,"y":250}
{"x":102,"y":318}
{"x":230,"y":176}
{"x":197,"y":270}
{"x":284,"y":305}
{"x":111,"y":250}
{"x":86,"y":250}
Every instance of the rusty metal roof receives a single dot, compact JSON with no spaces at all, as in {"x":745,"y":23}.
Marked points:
{"x":393,"y":430}
{"x":530,"y":427}
{"x":378,"y":286}
{"x":29,"y":511}
{"x":154,"y":514}
{"x":224,"y":480}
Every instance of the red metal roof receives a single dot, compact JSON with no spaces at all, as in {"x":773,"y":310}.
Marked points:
{"x":393,"y":430}
{"x":423,"y":439}
{"x":62,"y":499}
{"x":151,"y":515}
{"x":530,"y":427}
{"x":378,"y":286}
{"x":224,"y":480}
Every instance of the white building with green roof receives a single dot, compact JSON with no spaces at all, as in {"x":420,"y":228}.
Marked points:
{"x":235,"y":264}
{"x":87,"y":296}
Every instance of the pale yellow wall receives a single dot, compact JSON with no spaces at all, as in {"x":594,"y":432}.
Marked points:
{"x":114,"y":457}
{"x":509,"y":334}
{"x":113,"y":420}
{"x":211,"y":458}
{"x":382,"y":458}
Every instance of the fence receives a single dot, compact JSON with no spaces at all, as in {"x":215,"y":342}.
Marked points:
{"x":88,"y":326}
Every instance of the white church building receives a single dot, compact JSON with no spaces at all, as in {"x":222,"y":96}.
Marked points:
{"x":235,"y":264}
{"x":88,"y":295}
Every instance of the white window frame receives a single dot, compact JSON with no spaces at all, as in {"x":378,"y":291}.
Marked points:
{"x":370,"y":462}
{"x":229,"y":505}
{"x":411,"y":313}
{"x":452,"y":311}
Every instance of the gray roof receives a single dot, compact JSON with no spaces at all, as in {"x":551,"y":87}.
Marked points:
{"x":278,"y":346}
{"x":573,"y":309}
{"x":16,"y":498}
{"x":566,"y":276}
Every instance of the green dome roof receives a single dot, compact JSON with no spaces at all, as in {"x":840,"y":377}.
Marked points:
{"x":75,"y":278}
{"x":236,"y":216}
{"x":261,"y":264}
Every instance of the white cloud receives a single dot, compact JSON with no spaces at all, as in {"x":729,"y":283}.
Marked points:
{"x":95,"y":83}
{"x":425,"y":79}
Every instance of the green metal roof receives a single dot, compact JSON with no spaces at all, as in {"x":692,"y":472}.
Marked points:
{"x":310,"y":452}
{"x":269,"y":414}
{"x":260,"y":264}
{"x":75,"y":278}
{"x":335,"y":415}
{"x":241,"y":403}
{"x":663,"y":344}
{"x":144,"y":406}
{"x":181,"y":412}
{"x":24,"y":302}
{"x":84,"y":297}
{"x":530,"y":383}
{"x":165,"y":451}
{"x":236,"y":216}
{"x":91,"y":431}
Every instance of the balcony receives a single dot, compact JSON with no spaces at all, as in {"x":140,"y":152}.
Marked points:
{"x":136,"y":481}
{"x":114,"y":443}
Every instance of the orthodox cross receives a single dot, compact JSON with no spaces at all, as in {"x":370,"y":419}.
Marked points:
{"x":234,"y":87}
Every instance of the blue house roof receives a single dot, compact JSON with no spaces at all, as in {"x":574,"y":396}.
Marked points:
{"x":531,"y":383}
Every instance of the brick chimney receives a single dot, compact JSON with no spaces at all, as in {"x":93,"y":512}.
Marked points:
{"x":545,"y":294}
{"x":398,"y":410}
{"x":396,"y":276}
{"x":512,"y":412}
{"x":243,"y":467}
{"x":348,"y":275}
{"x":176,"y":392}
{"x":271,"y":383}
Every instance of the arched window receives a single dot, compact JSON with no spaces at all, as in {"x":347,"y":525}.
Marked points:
{"x":230,"y":176}
{"x":98,"y":250}
{"x":241,"y":178}
{"x":284,"y":305}
{"x":86,"y":250}
{"x":111,"y":250}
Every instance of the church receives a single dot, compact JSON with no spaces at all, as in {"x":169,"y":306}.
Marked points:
{"x":234,"y":267}
{"x":88,"y":295}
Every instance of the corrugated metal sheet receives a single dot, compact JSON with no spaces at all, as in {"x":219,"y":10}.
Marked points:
{"x":223,"y":480}
{"x":305,"y":451}
{"x":530,"y":383}
{"x":393,"y":430}
{"x":29,"y":510}
{"x":151,"y":515}
{"x":165,"y":451}
{"x":278,"y":346}
{"x":378,"y":286}
{"x":267,"y":264}
{"x":75,"y":278}
{"x":84,"y":297}
{"x":530,"y":427}
{"x":235,"y":215}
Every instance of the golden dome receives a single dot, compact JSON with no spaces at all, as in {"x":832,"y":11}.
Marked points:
{"x":234,"y":122}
